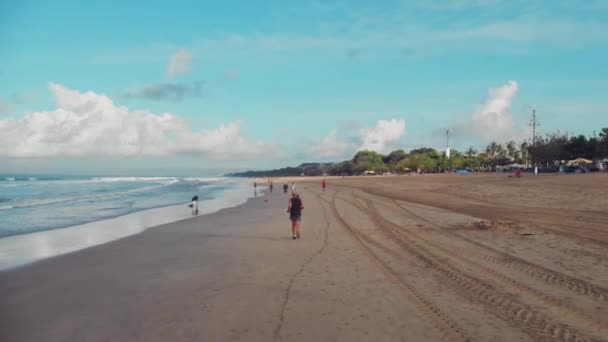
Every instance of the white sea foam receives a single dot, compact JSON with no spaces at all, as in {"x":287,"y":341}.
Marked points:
{"x":166,"y":180}
{"x":25,"y":248}
{"x":205,"y":179}
{"x":47,"y":201}
{"x":132,"y":179}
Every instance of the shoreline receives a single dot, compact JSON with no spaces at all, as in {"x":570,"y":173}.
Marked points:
{"x":420,"y":258}
{"x":24,"y":249}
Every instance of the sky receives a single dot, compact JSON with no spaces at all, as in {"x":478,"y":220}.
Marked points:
{"x":111,"y":87}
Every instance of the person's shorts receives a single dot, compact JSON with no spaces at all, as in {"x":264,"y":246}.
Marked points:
{"x":295,"y":217}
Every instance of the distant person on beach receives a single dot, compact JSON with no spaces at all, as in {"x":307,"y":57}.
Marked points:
{"x":324,"y":184}
{"x":293,"y":187}
{"x":255,"y":185}
{"x":294,"y":209}
{"x":194,"y":205}
{"x":270,"y":186}
{"x":285,"y":187}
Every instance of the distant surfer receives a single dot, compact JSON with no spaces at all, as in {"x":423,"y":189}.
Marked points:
{"x":293,"y":187}
{"x":194,"y":205}
{"x":294,"y":209}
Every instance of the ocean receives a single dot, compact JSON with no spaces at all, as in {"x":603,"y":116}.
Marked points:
{"x":47,"y":215}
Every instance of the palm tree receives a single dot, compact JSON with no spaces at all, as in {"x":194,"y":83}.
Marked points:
{"x":492,"y":149}
{"x":471,"y":152}
{"x":523,"y":148}
{"x":604,"y":140}
{"x":512,"y":150}
{"x":501,"y":152}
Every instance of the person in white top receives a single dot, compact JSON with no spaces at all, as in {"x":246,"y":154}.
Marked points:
{"x":293,"y":187}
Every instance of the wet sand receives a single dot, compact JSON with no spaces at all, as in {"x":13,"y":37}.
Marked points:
{"x":402,"y":258}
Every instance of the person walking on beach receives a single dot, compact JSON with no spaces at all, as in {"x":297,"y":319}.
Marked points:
{"x":293,"y":186}
{"x":270,"y":186}
{"x":285,"y":187}
{"x":323,"y":184}
{"x":194,"y":205}
{"x":294,"y":209}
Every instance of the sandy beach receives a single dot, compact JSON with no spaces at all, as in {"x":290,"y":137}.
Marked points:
{"x":480,"y":257}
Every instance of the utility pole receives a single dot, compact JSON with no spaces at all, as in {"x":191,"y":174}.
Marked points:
{"x":534,"y":123}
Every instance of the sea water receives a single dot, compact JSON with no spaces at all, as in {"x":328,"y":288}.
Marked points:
{"x":47,"y":215}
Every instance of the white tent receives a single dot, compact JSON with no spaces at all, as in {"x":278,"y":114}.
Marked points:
{"x":580,"y":161}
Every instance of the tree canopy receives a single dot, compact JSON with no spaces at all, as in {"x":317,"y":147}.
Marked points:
{"x":546,"y":150}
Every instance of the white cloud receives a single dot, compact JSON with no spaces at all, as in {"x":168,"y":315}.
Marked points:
{"x":179,"y":63}
{"x":382,"y":137}
{"x":493,"y":120}
{"x":90,"y":124}
{"x":4,"y":107}
{"x":330,"y":146}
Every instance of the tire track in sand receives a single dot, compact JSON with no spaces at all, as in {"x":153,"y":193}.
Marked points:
{"x":504,"y":306}
{"x":448,"y":328}
{"x":544,"y":274}
{"x":576,"y":315}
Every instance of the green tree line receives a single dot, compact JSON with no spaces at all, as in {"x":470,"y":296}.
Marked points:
{"x":545,"y":151}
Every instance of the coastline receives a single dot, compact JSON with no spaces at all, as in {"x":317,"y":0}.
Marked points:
{"x":387,"y":259}
{"x":22,"y":249}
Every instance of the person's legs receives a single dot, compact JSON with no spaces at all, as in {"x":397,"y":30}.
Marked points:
{"x":293,"y":228}
{"x":297,"y":228}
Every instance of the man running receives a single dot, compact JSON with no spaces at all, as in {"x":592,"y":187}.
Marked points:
{"x":323,"y":184}
{"x":295,"y":214}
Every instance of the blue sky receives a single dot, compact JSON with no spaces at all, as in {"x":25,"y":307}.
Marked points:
{"x":263,"y":84}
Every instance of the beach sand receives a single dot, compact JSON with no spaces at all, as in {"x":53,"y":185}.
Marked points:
{"x":400,"y":258}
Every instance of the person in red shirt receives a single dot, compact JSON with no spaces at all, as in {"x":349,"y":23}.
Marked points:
{"x":324,"y":184}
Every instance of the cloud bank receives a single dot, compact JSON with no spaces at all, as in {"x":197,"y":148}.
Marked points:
{"x":179,"y":63}
{"x":493,"y":121}
{"x":380,"y":138}
{"x":90,"y":124}
{"x":331,"y":146}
